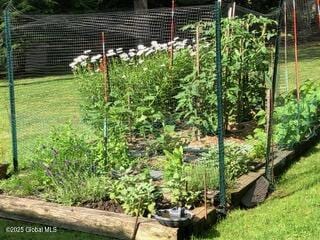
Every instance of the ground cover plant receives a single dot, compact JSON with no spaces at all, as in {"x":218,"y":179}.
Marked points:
{"x":149,"y":108}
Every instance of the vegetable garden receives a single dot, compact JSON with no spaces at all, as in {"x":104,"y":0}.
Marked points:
{"x":146,"y":132}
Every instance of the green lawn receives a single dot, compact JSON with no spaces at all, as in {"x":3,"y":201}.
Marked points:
{"x":292,"y":211}
{"x":59,"y":235}
{"x":41,"y":104}
{"x":309,"y":61}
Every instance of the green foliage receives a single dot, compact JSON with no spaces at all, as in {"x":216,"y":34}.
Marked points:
{"x":167,"y":140}
{"x":237,"y":159}
{"x":141,"y":94}
{"x":77,"y":188}
{"x":4,"y":150}
{"x":173,"y":163}
{"x":27,"y":183}
{"x":246,"y":57}
{"x":179,"y":193}
{"x":68,"y":160}
{"x":135,"y":193}
{"x":196,"y":172}
{"x":258,"y":141}
{"x":176,"y":180}
{"x":296,"y":120}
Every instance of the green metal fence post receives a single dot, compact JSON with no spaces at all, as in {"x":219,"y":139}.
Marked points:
{"x":222,"y":183}
{"x":8,"y":44}
{"x":272,"y":96}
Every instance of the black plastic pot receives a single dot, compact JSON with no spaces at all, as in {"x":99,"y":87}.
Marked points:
{"x":174,"y":217}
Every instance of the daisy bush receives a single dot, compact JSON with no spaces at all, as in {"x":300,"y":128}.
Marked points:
{"x":142,"y":85}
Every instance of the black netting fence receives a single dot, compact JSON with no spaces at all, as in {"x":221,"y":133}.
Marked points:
{"x":136,"y":88}
{"x":46,"y":44}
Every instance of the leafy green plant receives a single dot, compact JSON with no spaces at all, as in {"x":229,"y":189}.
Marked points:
{"x":258,"y":141}
{"x":237,"y":159}
{"x":168,"y":140}
{"x":179,"y":192}
{"x":296,"y":120}
{"x":65,"y":169}
{"x":246,"y":57}
{"x":176,"y":181}
{"x":135,"y":193}
{"x":173,"y":163}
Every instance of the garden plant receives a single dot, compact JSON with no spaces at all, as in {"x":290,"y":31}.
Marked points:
{"x":142,"y":114}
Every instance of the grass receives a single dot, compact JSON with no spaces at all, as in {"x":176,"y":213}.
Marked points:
{"x":292,"y":211}
{"x":309,"y":60}
{"x":41,"y":104}
{"x":59,"y":235}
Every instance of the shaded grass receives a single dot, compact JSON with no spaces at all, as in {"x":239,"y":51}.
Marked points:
{"x":59,"y":235}
{"x":292,"y":211}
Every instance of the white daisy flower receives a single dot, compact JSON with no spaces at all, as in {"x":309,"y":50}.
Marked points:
{"x":96,"y":58}
{"x":87,"y":51}
{"x":154,"y":43}
{"x":72,"y":65}
{"x":123,"y":55}
{"x":111,"y":54}
{"x":140,"y":52}
{"x":141,"y":47}
{"x":132,"y":54}
{"x":149,"y":52}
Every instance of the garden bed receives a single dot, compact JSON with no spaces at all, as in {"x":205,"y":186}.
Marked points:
{"x":122,"y":226}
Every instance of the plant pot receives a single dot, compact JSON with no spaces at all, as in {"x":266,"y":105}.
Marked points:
{"x":3,"y":170}
{"x":175,"y":218}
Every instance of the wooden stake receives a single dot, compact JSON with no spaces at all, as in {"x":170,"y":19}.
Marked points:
{"x":198,"y":50}
{"x":205,"y":194}
{"x":198,"y":70}
{"x":106,"y":96}
{"x":172,"y":32}
{"x":295,"y":30}
{"x":286,"y":46}
{"x":105,"y":69}
{"x":230,"y":13}
{"x":136,"y":225}
{"x":234,"y":10}
{"x":318,"y":12}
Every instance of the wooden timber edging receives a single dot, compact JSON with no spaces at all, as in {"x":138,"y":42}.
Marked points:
{"x":283,"y":159}
{"x":121,"y":226}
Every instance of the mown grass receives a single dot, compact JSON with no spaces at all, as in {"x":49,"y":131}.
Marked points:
{"x":59,"y":235}
{"x":41,"y":104}
{"x":292,"y":211}
{"x":309,"y":60}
